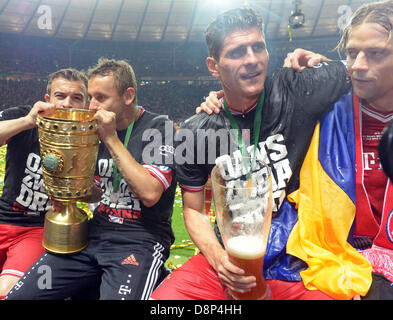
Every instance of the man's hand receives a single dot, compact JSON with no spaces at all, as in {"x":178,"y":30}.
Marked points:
{"x":301,"y":59}
{"x":211,"y":103}
{"x":202,"y":234}
{"x":106,"y":124}
{"x":232,"y":276}
{"x":41,"y":108}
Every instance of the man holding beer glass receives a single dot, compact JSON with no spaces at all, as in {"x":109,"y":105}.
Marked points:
{"x":243,"y":206}
{"x":275,"y":118}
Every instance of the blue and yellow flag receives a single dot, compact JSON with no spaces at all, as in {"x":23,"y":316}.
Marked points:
{"x":326,"y":210}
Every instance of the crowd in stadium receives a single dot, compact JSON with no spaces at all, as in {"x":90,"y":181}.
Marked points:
{"x":173,"y":78}
{"x":177,"y":99}
{"x":26,"y":62}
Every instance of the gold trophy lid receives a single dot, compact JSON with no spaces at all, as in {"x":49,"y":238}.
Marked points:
{"x":71,"y":114}
{"x":68,"y":121}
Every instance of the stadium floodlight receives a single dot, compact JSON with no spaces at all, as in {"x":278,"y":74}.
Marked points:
{"x":225,"y":3}
{"x":297,"y":17}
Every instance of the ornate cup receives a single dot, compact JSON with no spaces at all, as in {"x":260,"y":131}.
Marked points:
{"x":69,"y":147}
{"x":242,"y":195}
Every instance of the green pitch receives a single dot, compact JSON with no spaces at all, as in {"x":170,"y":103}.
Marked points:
{"x":182,"y":249}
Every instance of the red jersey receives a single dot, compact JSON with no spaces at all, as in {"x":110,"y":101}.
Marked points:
{"x":375,"y":180}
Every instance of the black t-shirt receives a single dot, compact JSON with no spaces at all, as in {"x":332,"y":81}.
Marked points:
{"x":150,"y":144}
{"x":293,"y":103}
{"x":24,"y":201}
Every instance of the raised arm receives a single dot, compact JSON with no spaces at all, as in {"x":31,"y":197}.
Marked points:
{"x":146,"y":187}
{"x":10,"y":128}
{"x":301,"y":59}
{"x":298,"y":60}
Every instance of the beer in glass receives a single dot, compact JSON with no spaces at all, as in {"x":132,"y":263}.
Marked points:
{"x":243,"y":204}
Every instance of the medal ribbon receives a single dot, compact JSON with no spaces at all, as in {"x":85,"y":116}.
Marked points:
{"x":257,"y":128}
{"x":116,"y":175}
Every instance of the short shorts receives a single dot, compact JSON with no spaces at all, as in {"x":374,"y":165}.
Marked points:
{"x":197,"y":280}
{"x":20,"y":247}
{"x":118,"y":264}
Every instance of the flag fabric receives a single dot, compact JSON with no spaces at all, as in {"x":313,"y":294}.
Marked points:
{"x":326,"y":208}
{"x":278,"y":265}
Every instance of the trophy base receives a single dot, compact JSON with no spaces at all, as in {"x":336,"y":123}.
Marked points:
{"x":65,"y":232}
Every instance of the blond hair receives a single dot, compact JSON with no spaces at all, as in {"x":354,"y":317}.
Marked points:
{"x":375,"y":12}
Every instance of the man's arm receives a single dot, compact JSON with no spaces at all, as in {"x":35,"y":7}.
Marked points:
{"x":10,"y":128}
{"x":202,"y":234}
{"x":298,"y":60}
{"x":146,"y":187}
{"x":301,"y":59}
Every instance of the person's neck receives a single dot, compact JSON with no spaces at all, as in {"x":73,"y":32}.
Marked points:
{"x":240,"y":104}
{"x":128,"y":115}
{"x":384,"y":105}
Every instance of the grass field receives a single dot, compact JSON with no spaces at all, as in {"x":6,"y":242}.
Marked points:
{"x":181,"y":250}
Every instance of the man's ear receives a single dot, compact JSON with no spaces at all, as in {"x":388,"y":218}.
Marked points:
{"x":129,"y":96}
{"x":212,"y":67}
{"x":47,"y":97}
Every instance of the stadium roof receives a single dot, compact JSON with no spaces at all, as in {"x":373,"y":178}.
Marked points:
{"x":162,"y":20}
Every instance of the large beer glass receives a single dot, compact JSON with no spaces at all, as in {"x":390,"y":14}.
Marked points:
{"x":243,"y":204}
{"x":69,"y":145}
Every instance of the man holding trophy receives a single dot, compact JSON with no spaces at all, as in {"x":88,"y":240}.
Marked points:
{"x":130,"y":234}
{"x":24,"y":201}
{"x":267,"y":119}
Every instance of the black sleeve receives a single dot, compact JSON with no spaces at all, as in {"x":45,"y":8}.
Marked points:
{"x":190,"y":171}
{"x":158,"y":148}
{"x":315,"y":89}
{"x":14,"y":112}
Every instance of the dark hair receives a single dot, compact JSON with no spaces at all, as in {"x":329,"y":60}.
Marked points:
{"x":226,"y":23}
{"x":70,"y":74}
{"x":375,"y":12}
{"x":123,"y":74}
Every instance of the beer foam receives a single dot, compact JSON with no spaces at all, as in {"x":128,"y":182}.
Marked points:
{"x":246,"y":247}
